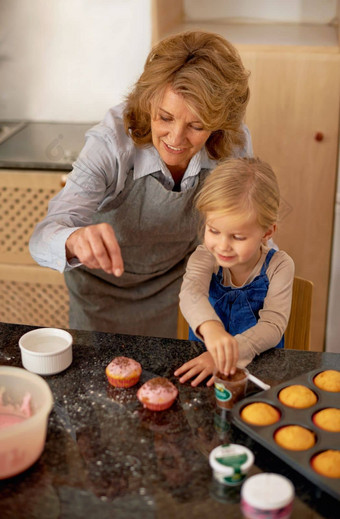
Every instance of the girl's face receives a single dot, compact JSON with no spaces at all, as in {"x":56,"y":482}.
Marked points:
{"x":177,"y":133}
{"x":235,"y":240}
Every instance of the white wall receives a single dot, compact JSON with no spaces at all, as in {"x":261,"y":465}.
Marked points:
{"x":283,"y":11}
{"x":69,"y":60}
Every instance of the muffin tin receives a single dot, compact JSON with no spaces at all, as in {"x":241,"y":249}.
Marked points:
{"x":299,"y":460}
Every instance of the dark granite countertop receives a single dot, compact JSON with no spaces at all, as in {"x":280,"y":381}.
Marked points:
{"x":105,"y":456}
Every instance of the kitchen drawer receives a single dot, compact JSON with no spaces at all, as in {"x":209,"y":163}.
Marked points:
{"x":24,"y":197}
{"x":33,"y":295}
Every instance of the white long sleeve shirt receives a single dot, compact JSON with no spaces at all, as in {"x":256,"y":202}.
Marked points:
{"x":98,"y":176}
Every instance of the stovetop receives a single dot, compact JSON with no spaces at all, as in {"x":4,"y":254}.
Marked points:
{"x":41,"y":145}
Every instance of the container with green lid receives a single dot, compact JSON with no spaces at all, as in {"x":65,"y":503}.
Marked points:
{"x":230,"y":463}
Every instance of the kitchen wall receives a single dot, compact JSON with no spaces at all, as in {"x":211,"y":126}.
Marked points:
{"x":288,"y":11}
{"x":69,"y":60}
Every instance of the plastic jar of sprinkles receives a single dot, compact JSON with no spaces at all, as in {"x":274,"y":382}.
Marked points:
{"x":230,"y":463}
{"x":267,"y":495}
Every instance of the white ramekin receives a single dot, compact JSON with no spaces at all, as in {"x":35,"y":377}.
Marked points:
{"x":46,"y":351}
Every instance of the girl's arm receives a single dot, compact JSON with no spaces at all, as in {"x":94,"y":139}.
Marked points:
{"x":203,"y":320}
{"x":274,"y":316}
{"x":194,"y":294}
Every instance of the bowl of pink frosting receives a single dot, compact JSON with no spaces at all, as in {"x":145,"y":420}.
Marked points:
{"x":25,"y":405}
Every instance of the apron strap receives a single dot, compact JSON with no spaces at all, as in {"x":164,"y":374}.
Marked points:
{"x":269,"y":256}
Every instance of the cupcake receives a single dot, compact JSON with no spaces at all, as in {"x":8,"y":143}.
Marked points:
{"x":328,"y":380}
{"x":327,"y":463}
{"x":328,"y":419}
{"x":297,"y":396}
{"x":123,"y":372}
{"x":260,"y":413}
{"x":294,"y":438}
{"x":157,"y":394}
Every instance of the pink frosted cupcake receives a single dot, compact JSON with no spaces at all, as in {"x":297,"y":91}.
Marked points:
{"x":157,"y":394}
{"x":123,"y":372}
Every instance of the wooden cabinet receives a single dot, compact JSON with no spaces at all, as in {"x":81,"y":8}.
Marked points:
{"x":29,"y":294}
{"x":293,"y":116}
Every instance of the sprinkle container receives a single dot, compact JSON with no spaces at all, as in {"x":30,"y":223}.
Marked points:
{"x":267,"y":495}
{"x":230,"y":389}
{"x":230,"y":463}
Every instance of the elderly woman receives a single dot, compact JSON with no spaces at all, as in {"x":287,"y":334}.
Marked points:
{"x":124,"y":225}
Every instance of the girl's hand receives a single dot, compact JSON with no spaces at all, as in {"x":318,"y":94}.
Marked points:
{"x":202,"y":366}
{"x":96,"y":247}
{"x":222,"y":346}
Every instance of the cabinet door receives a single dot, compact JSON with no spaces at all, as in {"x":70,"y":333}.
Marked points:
{"x":293,"y":117}
{"x":33,"y":295}
{"x":24,"y":197}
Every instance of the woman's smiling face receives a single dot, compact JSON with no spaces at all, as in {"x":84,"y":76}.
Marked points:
{"x":177,"y":133}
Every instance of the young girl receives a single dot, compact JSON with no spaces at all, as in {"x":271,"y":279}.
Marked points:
{"x":236,"y":292}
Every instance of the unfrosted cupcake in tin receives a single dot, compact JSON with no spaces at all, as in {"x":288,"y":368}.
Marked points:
{"x":328,"y":419}
{"x":327,"y":463}
{"x":328,"y":380}
{"x":297,"y":396}
{"x":294,"y":437}
{"x":260,"y":413}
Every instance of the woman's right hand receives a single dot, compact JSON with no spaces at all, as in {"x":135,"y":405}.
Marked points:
{"x":96,"y":247}
{"x":222,"y":346}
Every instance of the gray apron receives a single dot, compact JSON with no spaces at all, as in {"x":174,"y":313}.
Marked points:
{"x":157,"y":231}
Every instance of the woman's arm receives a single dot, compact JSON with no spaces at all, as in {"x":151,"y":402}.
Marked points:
{"x":63,"y":239}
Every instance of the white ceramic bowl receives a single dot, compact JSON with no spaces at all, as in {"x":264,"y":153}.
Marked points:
{"x":22,"y":444}
{"x":46,"y":351}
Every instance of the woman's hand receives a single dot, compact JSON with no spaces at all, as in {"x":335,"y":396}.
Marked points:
{"x":222,"y":346}
{"x":96,"y":247}
{"x":202,"y":366}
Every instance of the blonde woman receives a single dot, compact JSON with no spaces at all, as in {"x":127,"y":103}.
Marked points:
{"x":236,"y":292}
{"x":123,"y":227}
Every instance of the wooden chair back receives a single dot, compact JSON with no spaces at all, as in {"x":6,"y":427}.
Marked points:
{"x":297,"y":335}
{"x":182,"y":327}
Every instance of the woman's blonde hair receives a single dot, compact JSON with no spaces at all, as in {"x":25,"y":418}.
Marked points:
{"x":208,"y":72}
{"x":241,"y":186}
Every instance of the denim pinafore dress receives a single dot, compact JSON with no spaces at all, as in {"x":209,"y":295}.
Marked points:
{"x":238,"y":308}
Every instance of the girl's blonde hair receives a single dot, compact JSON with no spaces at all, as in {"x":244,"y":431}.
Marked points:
{"x":208,"y":72}
{"x":241,"y":186}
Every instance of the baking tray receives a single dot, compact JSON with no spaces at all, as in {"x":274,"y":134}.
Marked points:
{"x":299,"y":460}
